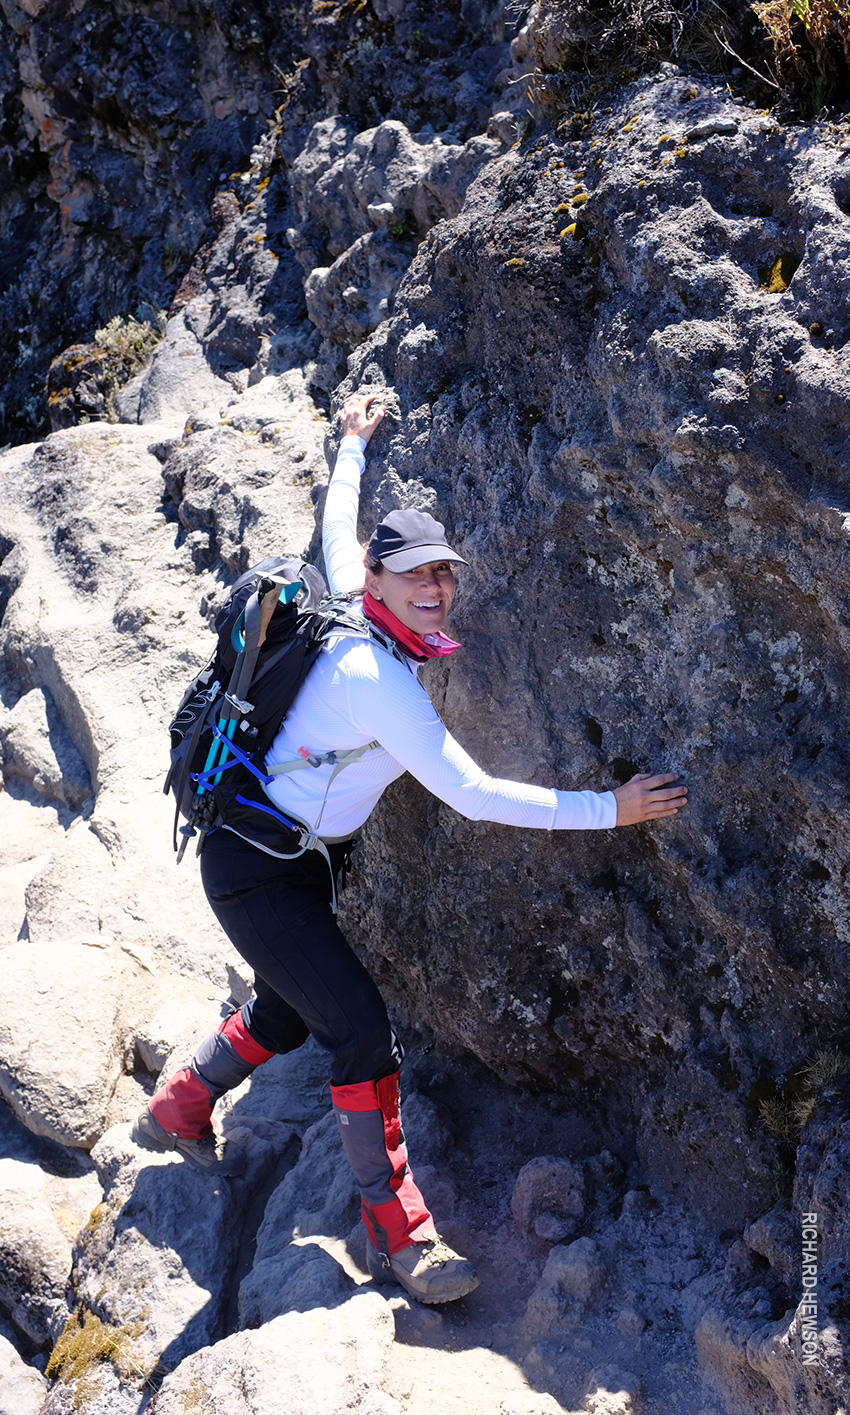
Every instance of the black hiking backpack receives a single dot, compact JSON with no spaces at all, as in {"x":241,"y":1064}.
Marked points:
{"x":270,"y":630}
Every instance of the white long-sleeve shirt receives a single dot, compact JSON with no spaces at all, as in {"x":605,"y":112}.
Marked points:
{"x":356,"y":692}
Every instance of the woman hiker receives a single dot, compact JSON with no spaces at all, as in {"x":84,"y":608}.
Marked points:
{"x":278,"y":913}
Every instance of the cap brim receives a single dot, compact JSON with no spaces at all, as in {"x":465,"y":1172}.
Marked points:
{"x":413,"y":556}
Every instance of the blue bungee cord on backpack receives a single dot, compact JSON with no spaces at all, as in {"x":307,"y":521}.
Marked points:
{"x":257,"y":613}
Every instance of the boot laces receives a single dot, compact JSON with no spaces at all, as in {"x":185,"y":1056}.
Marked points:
{"x":209,"y":1144}
{"x":436,"y":1251}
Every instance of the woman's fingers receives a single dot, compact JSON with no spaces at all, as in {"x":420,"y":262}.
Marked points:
{"x":667,"y":795}
{"x":361,"y":414}
{"x":668,"y":806}
{"x":654,"y":792}
{"x":361,"y":402}
{"x":649,"y":797}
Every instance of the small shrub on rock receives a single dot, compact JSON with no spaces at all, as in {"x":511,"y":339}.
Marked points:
{"x":811,"y":49}
{"x":83,"y":380}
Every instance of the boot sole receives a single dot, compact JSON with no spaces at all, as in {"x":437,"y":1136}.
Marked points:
{"x":388,"y":1277}
{"x":148,"y":1134}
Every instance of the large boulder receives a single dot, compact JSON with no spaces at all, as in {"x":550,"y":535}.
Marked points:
{"x":35,"y":1250}
{"x":22,"y":1388}
{"x":102,"y":631}
{"x":366,"y":201}
{"x":154,"y":1265}
{"x":317,"y":1198}
{"x":47,"y":1194}
{"x":59,"y":1064}
{"x":624,"y":396}
{"x":37,"y":748}
{"x":177,"y":381}
{"x":355,"y":1367}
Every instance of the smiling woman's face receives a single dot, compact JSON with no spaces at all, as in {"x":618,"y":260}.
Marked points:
{"x":420,"y":598}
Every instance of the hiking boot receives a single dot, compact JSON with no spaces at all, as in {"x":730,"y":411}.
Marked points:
{"x":210,"y":1153}
{"x":428,"y":1271}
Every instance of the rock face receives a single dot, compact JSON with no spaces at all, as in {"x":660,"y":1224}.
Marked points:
{"x":614,"y":471}
{"x":395,"y":188}
{"x":614,"y":354}
{"x":316,"y":1197}
{"x":36,"y":1253}
{"x":120,"y":127}
{"x":83,"y":599}
{"x":59,"y":1072}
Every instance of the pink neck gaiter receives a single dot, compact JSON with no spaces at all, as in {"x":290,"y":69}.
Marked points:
{"x":416,"y":646}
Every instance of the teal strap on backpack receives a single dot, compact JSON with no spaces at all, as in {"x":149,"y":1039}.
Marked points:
{"x":247,"y":637}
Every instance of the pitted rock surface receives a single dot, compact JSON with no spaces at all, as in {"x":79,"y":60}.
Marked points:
{"x":644,"y":593}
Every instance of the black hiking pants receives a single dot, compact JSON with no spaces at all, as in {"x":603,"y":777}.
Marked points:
{"x":278,"y":916}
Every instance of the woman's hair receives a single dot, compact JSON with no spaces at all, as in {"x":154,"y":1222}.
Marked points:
{"x":376,"y":566}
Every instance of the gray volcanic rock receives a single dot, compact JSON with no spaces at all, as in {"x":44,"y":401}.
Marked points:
{"x":47,"y":1193}
{"x":100,"y":1021}
{"x":331,"y":1361}
{"x":573,"y":1275}
{"x":635,"y":440}
{"x":22,"y":1388}
{"x":288,"y":1089}
{"x":178,"y":379}
{"x":156,"y":1258}
{"x":366,"y":200}
{"x":548,"y":1197}
{"x":225,"y":480}
{"x":102,"y":615}
{"x":123,"y":131}
{"x":762,"y":1343}
{"x":57,"y":1070}
{"x":38,"y":749}
{"x":98,"y":1390}
{"x":317,"y":1196}
{"x":35,"y":1252}
{"x":98,"y":600}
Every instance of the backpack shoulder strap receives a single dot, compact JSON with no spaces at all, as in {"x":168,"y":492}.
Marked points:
{"x":342,"y":616}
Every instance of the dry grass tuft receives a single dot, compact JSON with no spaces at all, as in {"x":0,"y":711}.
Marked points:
{"x":787,"y":1114}
{"x":601,"y":42}
{"x":577,"y":43}
{"x":811,"y":47}
{"x":87,"y":1342}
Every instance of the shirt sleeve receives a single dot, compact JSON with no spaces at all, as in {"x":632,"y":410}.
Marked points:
{"x":394,"y":709}
{"x":342,"y":550}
